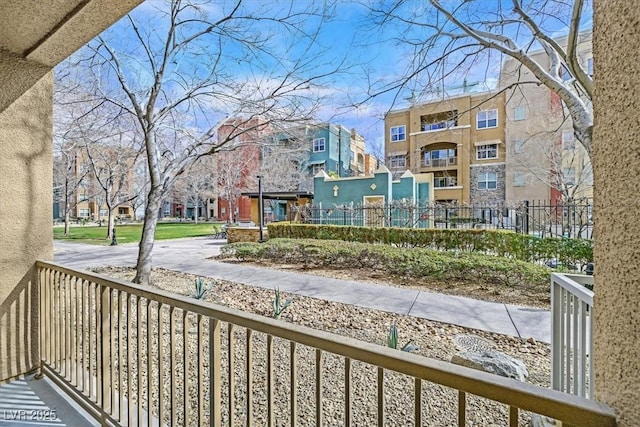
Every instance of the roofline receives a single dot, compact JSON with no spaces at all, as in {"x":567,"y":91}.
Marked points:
{"x":494,"y":92}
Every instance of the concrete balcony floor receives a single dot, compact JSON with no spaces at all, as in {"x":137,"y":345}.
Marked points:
{"x":38,"y":402}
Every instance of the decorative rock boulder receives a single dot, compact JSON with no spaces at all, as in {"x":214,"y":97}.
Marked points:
{"x":494,"y":362}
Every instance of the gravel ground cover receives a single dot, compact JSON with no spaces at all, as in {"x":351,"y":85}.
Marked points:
{"x":434,"y":339}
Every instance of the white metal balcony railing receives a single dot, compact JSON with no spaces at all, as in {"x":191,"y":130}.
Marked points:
{"x":440,"y":163}
{"x":124,"y":351}
{"x":571,"y":334}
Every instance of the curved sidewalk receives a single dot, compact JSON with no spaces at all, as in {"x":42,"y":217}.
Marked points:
{"x":188,"y":255}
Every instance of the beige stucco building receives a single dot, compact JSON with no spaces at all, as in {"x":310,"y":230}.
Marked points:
{"x":544,"y":160}
{"x":357,"y":154}
{"x":35,"y":38}
{"x":459,"y":139}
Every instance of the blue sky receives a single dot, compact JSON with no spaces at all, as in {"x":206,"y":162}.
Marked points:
{"x":365,"y":51}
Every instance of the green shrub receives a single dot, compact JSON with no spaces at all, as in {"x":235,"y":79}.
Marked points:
{"x":495,"y":242}
{"x":398,"y":261}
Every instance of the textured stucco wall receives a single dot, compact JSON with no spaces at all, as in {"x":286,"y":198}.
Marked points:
{"x":617,"y":204}
{"x":351,"y":190}
{"x":25,"y":206}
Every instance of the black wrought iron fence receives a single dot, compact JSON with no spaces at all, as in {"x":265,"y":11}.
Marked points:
{"x":540,"y":218}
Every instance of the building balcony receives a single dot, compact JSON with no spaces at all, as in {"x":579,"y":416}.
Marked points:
{"x":444,"y":164}
{"x":131,"y":354}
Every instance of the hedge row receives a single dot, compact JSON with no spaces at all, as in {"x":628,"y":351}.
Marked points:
{"x":414,"y":262}
{"x":522,"y":247}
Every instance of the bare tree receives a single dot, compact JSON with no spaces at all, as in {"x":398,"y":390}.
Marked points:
{"x":196,"y":185}
{"x":450,"y":41}
{"x":562,"y":167}
{"x":68,"y":178}
{"x":237,"y":174}
{"x":140,"y":187}
{"x":112,"y":171}
{"x":186,"y":66}
{"x":283,"y":161}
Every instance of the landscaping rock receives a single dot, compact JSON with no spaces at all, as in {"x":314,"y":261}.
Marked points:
{"x":540,"y":421}
{"x":494,"y":362}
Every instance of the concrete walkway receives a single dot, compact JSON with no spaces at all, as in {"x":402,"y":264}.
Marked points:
{"x":188,"y":255}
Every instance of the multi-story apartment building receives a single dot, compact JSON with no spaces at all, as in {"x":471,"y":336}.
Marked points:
{"x":307,"y":149}
{"x":328,"y":147}
{"x":357,"y":155}
{"x":544,"y":160}
{"x":331,"y":149}
{"x":459,"y":139}
{"x":238,"y":162}
{"x":370,"y":164}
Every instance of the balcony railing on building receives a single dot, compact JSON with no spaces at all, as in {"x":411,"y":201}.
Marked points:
{"x":441,"y":163}
{"x":135,"y":355}
{"x":442,"y":158}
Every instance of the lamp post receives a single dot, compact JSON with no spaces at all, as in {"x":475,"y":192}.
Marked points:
{"x":260,"y":209}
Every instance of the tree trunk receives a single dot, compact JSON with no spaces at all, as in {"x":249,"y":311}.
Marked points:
{"x":111,"y":222}
{"x":151,"y":214}
{"x":67,"y":220}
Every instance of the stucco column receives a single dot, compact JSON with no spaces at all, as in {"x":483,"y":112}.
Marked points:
{"x":616,"y":165}
{"x":25,"y":205}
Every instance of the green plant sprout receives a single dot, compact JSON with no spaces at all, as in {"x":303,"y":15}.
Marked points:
{"x":201,"y":290}
{"x":278,"y":305}
{"x":392,"y":340}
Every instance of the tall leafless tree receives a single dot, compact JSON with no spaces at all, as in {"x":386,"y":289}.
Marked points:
{"x":282,"y":166}
{"x":448,"y":41}
{"x":112,"y":171}
{"x":68,"y":178}
{"x":179,"y":68}
{"x":197,"y":184}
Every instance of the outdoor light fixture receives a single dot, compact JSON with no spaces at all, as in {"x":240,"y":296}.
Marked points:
{"x":260,"y":209}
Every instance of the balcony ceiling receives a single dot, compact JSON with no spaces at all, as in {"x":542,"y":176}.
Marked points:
{"x":47,"y":31}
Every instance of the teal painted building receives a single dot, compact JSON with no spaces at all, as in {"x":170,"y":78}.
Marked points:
{"x":330,"y":150}
{"x":385,"y":201}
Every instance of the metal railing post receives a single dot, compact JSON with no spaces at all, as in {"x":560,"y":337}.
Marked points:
{"x":105,"y":349}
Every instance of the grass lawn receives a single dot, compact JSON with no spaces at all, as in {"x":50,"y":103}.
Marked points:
{"x":132,"y":232}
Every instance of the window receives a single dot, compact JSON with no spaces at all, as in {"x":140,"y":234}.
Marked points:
{"x":487,"y":181}
{"x":317,"y":168}
{"x":489,"y":151}
{"x":83,"y":213}
{"x":569,"y":176}
{"x":398,"y":161}
{"x":518,"y":146}
{"x":519,"y":113}
{"x":445,"y":181}
{"x":487,"y":119}
{"x":568,"y":142}
{"x":519,"y":179}
{"x":318,"y":145}
{"x":104,"y":212}
{"x":440,"y":158}
{"x":398,"y":133}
